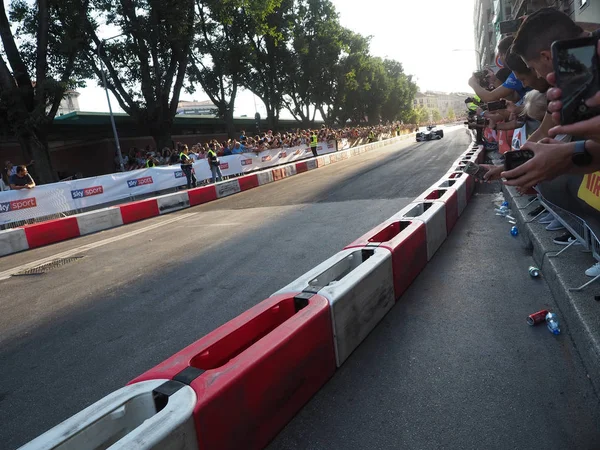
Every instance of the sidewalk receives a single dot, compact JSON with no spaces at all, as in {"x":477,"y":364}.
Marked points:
{"x":580,"y":309}
{"x":454,"y":364}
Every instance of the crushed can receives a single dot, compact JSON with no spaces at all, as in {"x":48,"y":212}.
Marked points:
{"x":534,"y":272}
{"x":538,"y":317}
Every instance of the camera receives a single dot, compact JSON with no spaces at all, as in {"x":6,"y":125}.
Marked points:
{"x":577,"y":72}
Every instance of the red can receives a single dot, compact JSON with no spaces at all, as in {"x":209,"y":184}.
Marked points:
{"x":537,"y":317}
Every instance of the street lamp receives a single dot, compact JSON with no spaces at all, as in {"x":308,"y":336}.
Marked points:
{"x":112,"y":117}
{"x":470,"y":50}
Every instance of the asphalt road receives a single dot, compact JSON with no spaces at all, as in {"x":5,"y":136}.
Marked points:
{"x":459,"y":369}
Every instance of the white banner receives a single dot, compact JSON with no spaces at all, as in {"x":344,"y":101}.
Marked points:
{"x":50,"y":199}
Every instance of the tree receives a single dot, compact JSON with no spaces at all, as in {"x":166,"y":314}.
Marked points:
{"x":402,"y":92}
{"x":436,"y":116}
{"x":269,"y":58}
{"x":39,"y":63}
{"x":315,"y":48}
{"x":451,"y":115}
{"x":221,"y":48}
{"x":418,"y":115}
{"x":147,"y":68}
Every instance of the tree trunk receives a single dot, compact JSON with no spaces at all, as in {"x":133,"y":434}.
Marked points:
{"x":35,"y":147}
{"x":231,"y":132}
{"x":162,"y":138}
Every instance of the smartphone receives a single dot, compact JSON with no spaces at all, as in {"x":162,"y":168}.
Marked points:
{"x":577,"y":75}
{"x":496,"y":106}
{"x":512,"y":160}
{"x":476,"y":170}
{"x":510,"y":26}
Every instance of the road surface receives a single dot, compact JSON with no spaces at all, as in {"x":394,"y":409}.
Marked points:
{"x":144,"y":291}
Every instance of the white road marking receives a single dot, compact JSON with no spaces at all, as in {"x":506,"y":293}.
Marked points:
{"x":8,"y":273}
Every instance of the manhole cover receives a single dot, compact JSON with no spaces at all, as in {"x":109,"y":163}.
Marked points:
{"x":45,"y":268}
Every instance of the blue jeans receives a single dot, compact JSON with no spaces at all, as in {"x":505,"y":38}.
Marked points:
{"x":216,"y":173}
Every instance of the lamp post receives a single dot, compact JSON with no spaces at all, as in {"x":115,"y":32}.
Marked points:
{"x":112,"y":117}
{"x":471,"y":50}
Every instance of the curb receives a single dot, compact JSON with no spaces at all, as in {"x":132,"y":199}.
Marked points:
{"x":45,"y":233}
{"x":253,"y":374}
{"x":578,"y":310}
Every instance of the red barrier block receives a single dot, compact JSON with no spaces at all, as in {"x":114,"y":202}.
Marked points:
{"x":201,"y":195}
{"x":248,"y":182}
{"x":136,"y":211}
{"x":253,"y":374}
{"x":407,"y":240}
{"x":450,"y":198}
{"x":50,"y":232}
{"x":278,"y":174}
{"x":301,"y":167}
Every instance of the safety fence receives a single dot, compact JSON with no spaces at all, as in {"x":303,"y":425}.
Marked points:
{"x":238,"y":386}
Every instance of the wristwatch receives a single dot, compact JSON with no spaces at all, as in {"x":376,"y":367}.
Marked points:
{"x":581,"y":157}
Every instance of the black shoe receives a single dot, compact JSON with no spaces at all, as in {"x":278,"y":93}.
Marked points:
{"x":536,"y":211}
{"x":564,"y":239}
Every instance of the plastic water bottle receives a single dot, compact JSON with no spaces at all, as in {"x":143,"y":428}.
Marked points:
{"x":552,"y":323}
{"x":514,"y":231}
{"x":505,"y":204}
{"x":502,"y":211}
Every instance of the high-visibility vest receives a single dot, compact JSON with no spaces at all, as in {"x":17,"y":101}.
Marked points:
{"x":150,"y":163}
{"x":182,"y":156}
{"x":371,"y":135}
{"x":314,"y":140}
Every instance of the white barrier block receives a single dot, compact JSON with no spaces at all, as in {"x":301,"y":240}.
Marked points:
{"x":135,"y":417}
{"x":290,"y":170}
{"x":433,"y":214}
{"x":227,"y":188}
{"x":13,"y":241}
{"x":311,"y":164}
{"x":265,"y":177}
{"x":173,"y":202}
{"x":359,"y":285}
{"x":102,"y":219}
{"x":460,"y":184}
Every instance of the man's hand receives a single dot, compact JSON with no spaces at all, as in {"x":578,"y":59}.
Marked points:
{"x":552,"y":158}
{"x":493,"y":172}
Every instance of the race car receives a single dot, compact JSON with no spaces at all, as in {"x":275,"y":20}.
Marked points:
{"x":430,"y":135}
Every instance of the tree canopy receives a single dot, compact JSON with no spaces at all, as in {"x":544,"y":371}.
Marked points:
{"x":292,"y":54}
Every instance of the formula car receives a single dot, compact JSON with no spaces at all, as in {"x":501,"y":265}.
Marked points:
{"x":430,"y":135}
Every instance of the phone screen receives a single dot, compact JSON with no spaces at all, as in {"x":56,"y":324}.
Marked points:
{"x":577,"y":78}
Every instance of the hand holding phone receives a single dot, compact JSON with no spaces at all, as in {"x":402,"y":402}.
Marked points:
{"x":512,"y":160}
{"x":496,"y":106}
{"x":577,"y":72}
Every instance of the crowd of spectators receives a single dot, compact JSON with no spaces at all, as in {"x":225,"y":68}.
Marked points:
{"x":563,"y":153}
{"x":139,"y":159}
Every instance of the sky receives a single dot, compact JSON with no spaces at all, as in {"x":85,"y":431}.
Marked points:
{"x":422,"y":34}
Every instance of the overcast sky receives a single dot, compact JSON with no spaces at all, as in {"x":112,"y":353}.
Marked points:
{"x":420,"y":34}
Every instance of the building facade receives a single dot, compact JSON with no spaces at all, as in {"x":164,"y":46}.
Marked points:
{"x":443,"y":102}
{"x":69,"y":104}
{"x":489,"y":13}
{"x":195,"y":108}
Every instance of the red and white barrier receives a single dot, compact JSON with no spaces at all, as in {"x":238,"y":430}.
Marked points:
{"x":449,"y":197}
{"x":201,"y":195}
{"x":460,"y":186}
{"x":150,"y":415}
{"x":359,"y":285}
{"x":227,"y":188}
{"x":248,"y":182}
{"x":433,"y":215}
{"x":407,"y":241}
{"x":253,"y":374}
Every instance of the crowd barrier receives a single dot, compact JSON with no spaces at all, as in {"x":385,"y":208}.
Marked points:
{"x":250,"y":376}
{"x":45,"y":233}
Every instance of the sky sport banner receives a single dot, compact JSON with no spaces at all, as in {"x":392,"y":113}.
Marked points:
{"x":56,"y":198}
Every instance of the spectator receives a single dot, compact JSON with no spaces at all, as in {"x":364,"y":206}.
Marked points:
{"x":21,"y":179}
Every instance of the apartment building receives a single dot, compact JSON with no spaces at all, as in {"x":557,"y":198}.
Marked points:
{"x":442,"y":101}
{"x":489,"y":13}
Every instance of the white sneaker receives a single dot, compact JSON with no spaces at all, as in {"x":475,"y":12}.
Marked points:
{"x":546,"y":218}
{"x":555,"y":225}
{"x":593,"y":271}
